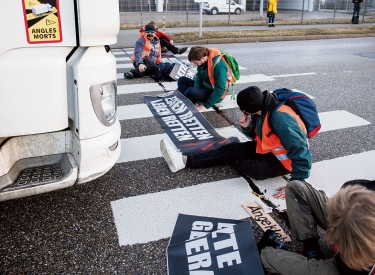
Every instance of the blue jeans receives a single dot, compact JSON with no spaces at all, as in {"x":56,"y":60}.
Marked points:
{"x":356,"y":11}
{"x":271,"y":19}
{"x":185,"y":86}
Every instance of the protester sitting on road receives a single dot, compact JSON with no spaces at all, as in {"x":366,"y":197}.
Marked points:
{"x":211,"y":82}
{"x":165,"y":40}
{"x":349,"y":220}
{"x":284,"y":151}
{"x":146,"y":55}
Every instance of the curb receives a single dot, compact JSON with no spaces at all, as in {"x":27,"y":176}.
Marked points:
{"x":275,"y":38}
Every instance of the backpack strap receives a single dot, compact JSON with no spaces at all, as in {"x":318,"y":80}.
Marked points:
{"x":270,"y":116}
{"x":233,"y":96}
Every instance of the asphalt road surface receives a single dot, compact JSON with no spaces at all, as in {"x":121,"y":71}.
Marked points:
{"x":121,"y":222}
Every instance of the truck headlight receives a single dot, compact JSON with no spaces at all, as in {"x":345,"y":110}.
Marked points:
{"x":103,"y":98}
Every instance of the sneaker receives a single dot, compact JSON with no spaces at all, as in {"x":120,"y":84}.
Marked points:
{"x":171,"y":156}
{"x":164,"y":49}
{"x":273,"y":25}
{"x":182,"y":50}
{"x":128,"y":75}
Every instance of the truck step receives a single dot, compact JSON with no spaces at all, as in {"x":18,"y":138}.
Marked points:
{"x":38,"y":175}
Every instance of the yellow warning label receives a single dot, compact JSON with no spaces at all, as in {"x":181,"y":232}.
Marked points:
{"x":42,"y":21}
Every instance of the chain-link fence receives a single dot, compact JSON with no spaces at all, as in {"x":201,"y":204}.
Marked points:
{"x":186,"y":12}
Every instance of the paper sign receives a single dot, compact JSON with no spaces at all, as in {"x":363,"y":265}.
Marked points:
{"x":264,"y":220}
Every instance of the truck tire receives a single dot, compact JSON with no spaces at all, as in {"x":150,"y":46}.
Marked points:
{"x":237,"y":11}
{"x":214,"y":11}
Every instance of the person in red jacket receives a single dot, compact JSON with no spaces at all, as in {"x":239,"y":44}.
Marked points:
{"x":165,"y":40}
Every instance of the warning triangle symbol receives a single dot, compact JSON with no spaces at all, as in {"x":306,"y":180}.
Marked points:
{"x":50,"y":22}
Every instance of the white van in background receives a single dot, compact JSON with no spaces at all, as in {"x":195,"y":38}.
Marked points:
{"x":216,"y":6}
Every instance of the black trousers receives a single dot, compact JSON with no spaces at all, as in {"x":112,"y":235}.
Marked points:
{"x":243,"y":156}
{"x":164,"y":43}
{"x":152,"y":69}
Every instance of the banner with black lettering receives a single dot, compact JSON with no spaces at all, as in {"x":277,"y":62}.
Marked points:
{"x":208,"y":246}
{"x":186,"y":127}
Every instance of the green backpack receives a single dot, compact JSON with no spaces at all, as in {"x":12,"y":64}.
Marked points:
{"x":233,"y":67}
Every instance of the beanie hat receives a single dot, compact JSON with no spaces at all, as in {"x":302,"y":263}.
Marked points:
{"x":150,"y":28}
{"x":250,"y":99}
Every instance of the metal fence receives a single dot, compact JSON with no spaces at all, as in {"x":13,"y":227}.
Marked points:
{"x":185,"y":12}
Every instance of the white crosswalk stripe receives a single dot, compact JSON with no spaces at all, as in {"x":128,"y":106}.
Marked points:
{"x":135,"y":223}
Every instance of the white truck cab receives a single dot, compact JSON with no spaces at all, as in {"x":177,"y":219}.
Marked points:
{"x":58,"y":114}
{"x":222,"y":6}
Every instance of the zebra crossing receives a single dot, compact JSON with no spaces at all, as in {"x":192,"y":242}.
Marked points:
{"x":222,"y":198}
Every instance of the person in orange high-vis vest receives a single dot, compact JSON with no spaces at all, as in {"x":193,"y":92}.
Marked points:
{"x":283,"y":151}
{"x":211,"y":81}
{"x":147,"y":55}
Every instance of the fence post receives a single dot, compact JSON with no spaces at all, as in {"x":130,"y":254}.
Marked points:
{"x":163,"y":23}
{"x":364,"y":11}
{"x":303,"y":6}
{"x":187,"y":13}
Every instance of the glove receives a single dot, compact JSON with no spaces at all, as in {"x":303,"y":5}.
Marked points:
{"x":270,"y":239}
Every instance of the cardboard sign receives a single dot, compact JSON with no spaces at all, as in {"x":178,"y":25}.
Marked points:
{"x":186,"y":127}
{"x":208,"y":246}
{"x":182,"y":70}
{"x":264,"y":220}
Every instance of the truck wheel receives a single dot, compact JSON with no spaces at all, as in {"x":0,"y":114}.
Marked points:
{"x":237,"y":11}
{"x":214,"y":11}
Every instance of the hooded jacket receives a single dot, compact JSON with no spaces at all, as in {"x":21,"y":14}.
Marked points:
{"x":202,"y":80}
{"x":289,"y":135}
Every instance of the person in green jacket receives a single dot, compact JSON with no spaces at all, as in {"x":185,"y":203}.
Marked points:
{"x":201,"y":90}
{"x":288,"y":138}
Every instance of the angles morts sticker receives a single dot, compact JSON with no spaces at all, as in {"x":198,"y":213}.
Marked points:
{"x":42,"y":21}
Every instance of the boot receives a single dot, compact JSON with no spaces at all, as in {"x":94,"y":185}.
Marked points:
{"x":182,"y":50}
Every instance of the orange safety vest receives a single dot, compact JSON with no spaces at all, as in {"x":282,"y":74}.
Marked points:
{"x":212,"y":52}
{"x":272,"y":143}
{"x":147,"y":49}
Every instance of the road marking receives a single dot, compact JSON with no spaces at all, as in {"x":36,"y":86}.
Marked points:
{"x":145,"y":87}
{"x":136,"y":152}
{"x":335,"y":120}
{"x":130,"y":66}
{"x":288,"y":75}
{"x":123,"y":58}
{"x":151,"y":217}
{"x":142,"y":111}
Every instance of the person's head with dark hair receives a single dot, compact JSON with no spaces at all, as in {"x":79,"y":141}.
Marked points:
{"x":198,"y":55}
{"x":351,"y":219}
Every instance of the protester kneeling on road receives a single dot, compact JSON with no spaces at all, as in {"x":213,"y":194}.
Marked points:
{"x":284,"y":151}
{"x":349,"y":221}
{"x":211,"y":82}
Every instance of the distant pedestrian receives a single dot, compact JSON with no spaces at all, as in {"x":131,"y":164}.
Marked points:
{"x":356,"y":10}
{"x":271,"y":11}
{"x":166,"y":41}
